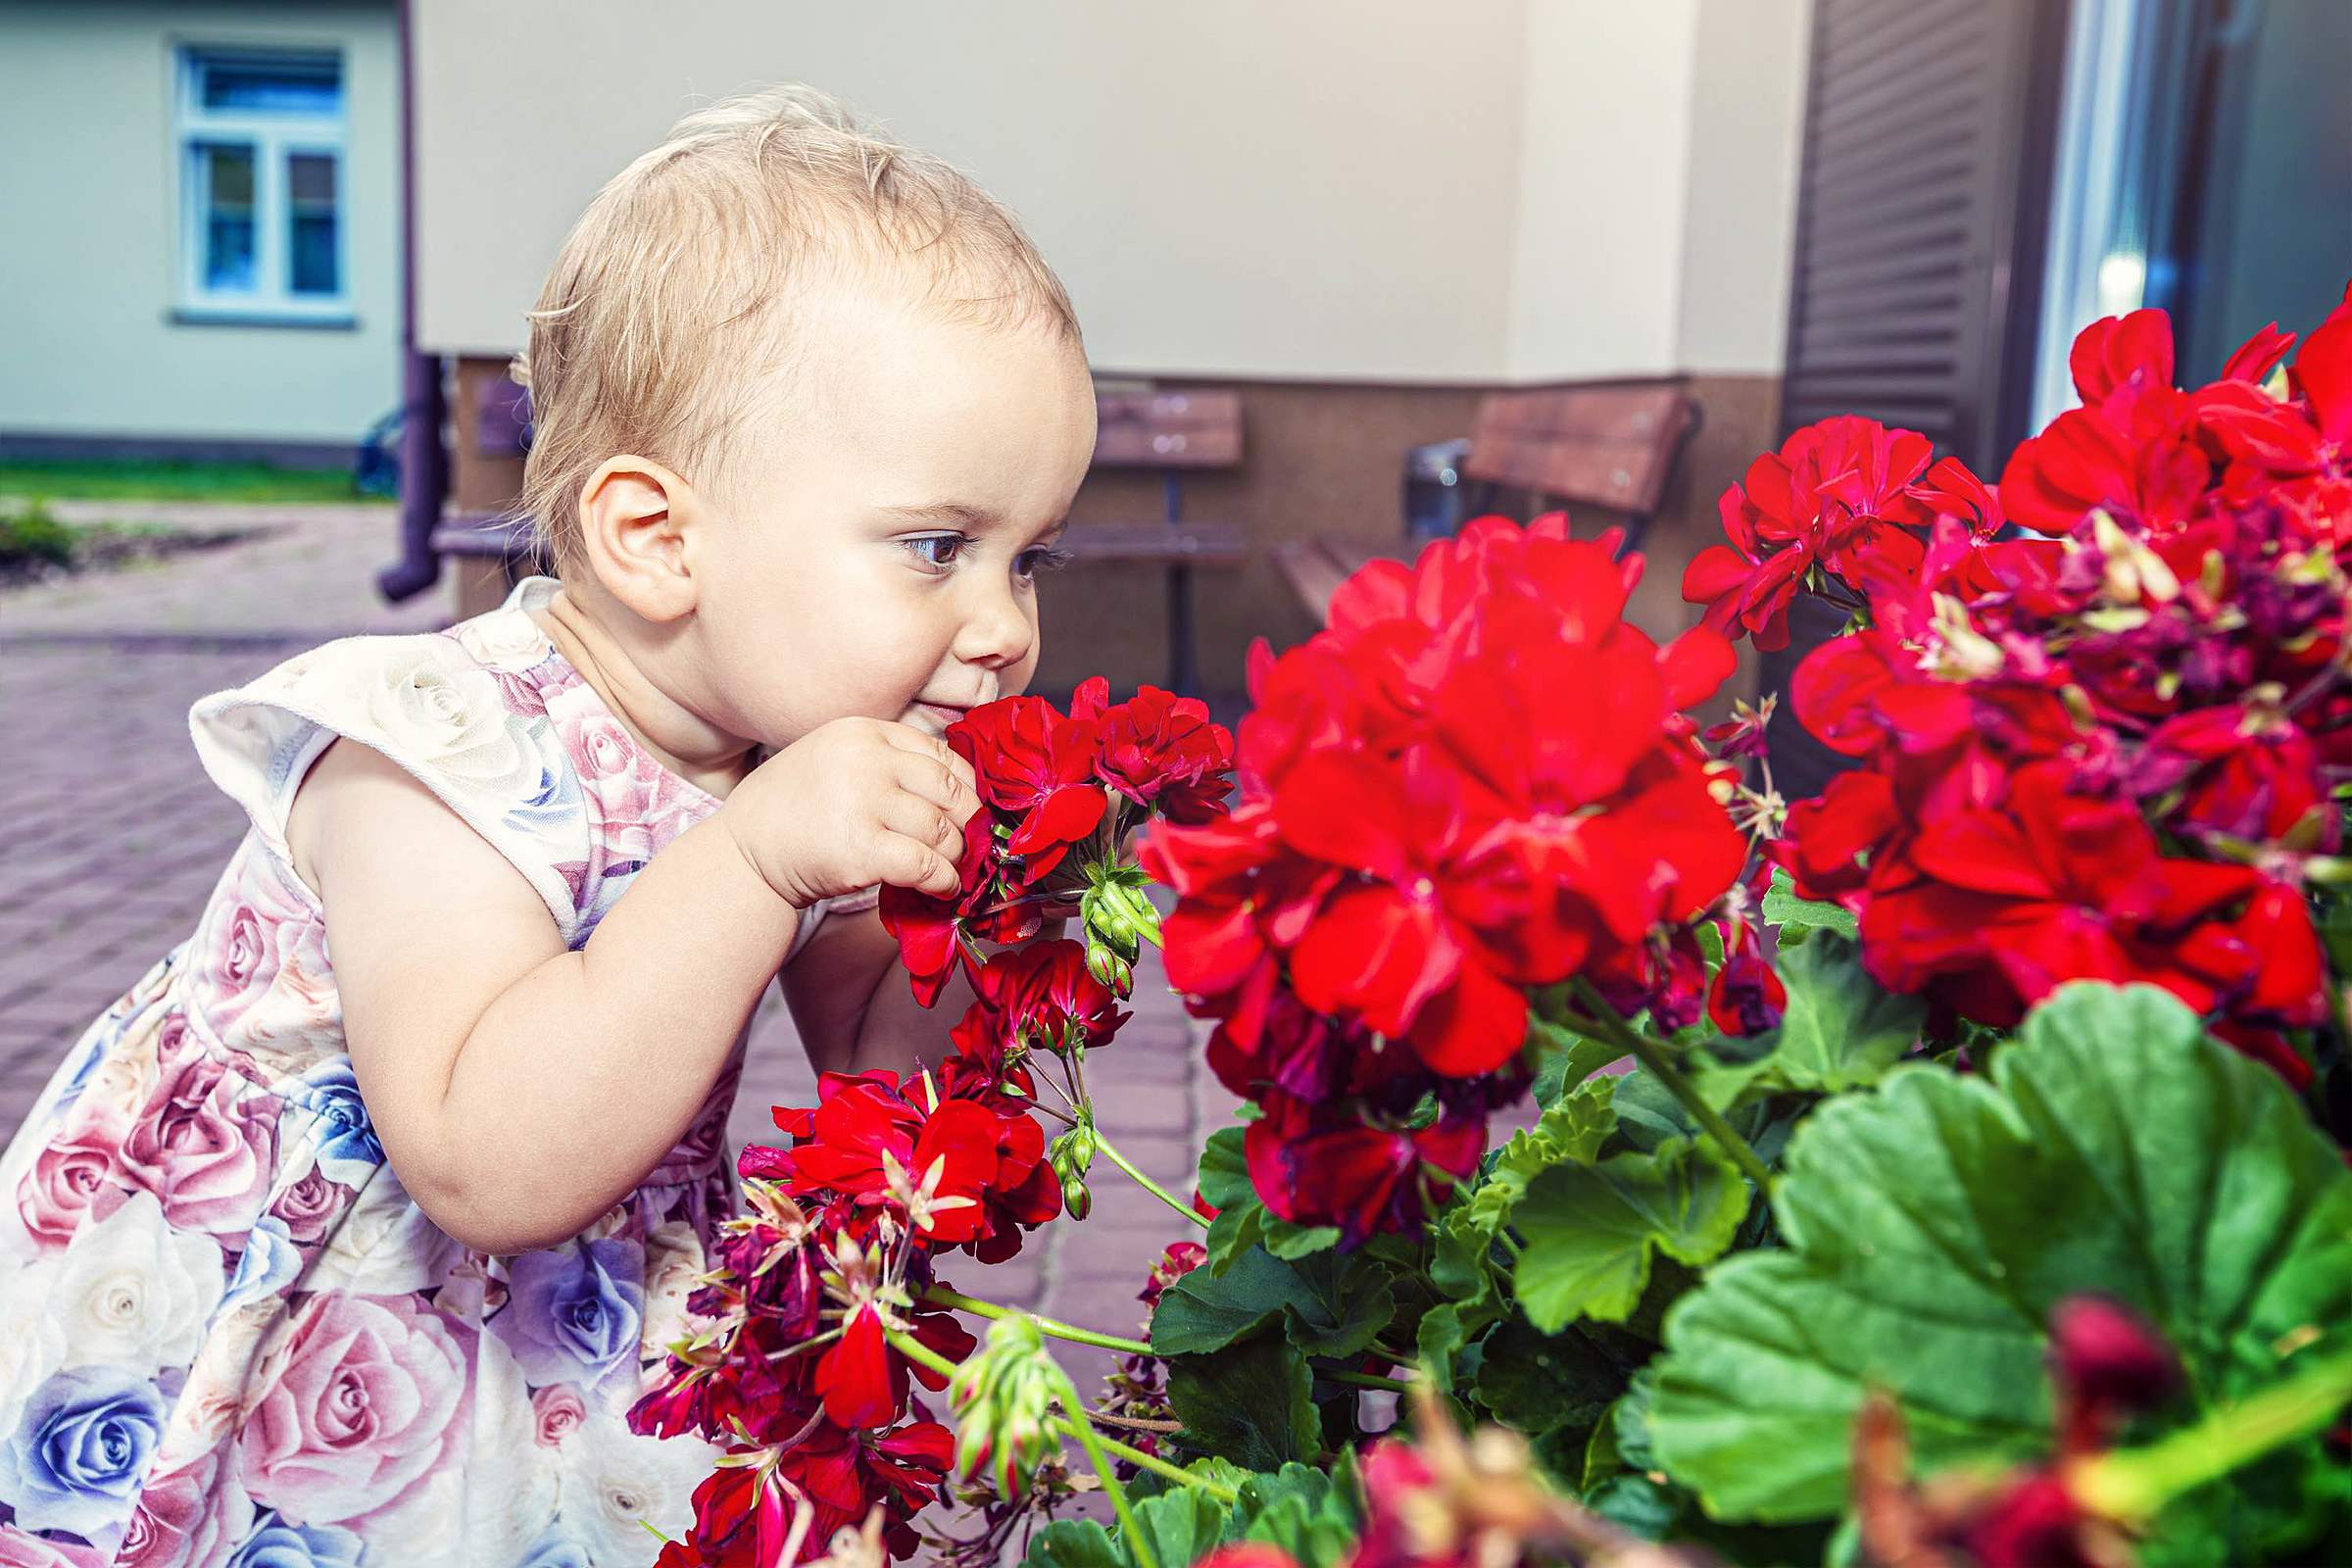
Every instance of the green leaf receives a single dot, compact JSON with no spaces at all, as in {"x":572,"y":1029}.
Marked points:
{"x":1798,"y":917}
{"x":1286,"y":1240}
{"x":1439,"y":1342}
{"x":1330,"y":1304}
{"x":1841,"y":1030}
{"x":1541,"y":1382}
{"x":1637,"y":1503}
{"x":1181,"y":1525}
{"x":1571,"y":1131}
{"x":1204,"y":1311}
{"x":1589,"y":1229}
{"x":1301,"y":1510}
{"x":1250,"y":1403}
{"x":1933,"y":1225}
{"x":1565,"y":1058}
{"x":1074,"y":1543}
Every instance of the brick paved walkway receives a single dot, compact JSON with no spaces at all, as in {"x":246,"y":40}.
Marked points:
{"x":119,"y":837}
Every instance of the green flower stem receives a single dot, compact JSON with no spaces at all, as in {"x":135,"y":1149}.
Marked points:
{"x":1077,"y":1426}
{"x":1605,"y":1023}
{"x":941,"y":1296}
{"x":1157,"y":1466}
{"x":1105,"y":1147}
{"x":1364,"y":1380}
{"x":2134,"y":1484}
{"x":922,"y":1354}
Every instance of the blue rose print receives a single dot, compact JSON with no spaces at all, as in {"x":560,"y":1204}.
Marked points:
{"x":266,"y":1266}
{"x":81,"y":1447}
{"x":348,"y":1151}
{"x":275,"y":1543}
{"x":556,"y":1549}
{"x":574,"y":1313}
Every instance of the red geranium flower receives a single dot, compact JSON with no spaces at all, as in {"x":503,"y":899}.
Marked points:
{"x":1046,"y":1000}
{"x":1158,"y":750}
{"x":1036,"y":764}
{"x":1333,"y":1169}
{"x":1835,"y":495}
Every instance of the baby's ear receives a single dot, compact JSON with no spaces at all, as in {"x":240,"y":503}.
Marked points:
{"x":634,"y":518}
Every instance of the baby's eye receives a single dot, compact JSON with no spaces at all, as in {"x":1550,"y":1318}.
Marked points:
{"x":1045,"y":557}
{"x":936,"y":551}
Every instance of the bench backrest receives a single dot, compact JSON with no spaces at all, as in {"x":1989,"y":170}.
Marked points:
{"x":1189,"y":429}
{"x":1608,"y":446}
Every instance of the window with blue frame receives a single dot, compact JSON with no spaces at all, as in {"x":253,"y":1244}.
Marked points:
{"x":260,"y":145}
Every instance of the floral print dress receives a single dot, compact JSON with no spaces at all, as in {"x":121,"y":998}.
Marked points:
{"x":227,"y":1337}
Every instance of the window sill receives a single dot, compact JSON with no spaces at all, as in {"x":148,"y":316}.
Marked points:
{"x":232,"y":316}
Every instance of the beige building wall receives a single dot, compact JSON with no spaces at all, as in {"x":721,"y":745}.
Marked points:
{"x":90,"y":185}
{"x":1322,"y":190}
{"x":1358,"y":212}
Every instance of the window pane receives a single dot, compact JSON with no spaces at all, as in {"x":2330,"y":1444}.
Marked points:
{"x":311,"y":191}
{"x":287,"y":84}
{"x":225,"y":193}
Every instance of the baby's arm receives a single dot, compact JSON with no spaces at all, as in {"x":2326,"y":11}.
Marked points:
{"x":854,"y":1007}
{"x":520,"y":1090}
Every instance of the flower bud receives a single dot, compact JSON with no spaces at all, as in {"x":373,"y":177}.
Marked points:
{"x":1075,"y":1197}
{"x":1109,"y":968}
{"x":1003,"y":1396}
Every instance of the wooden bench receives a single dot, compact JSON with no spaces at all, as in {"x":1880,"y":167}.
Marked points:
{"x":1612,"y":446}
{"x":1173,"y":432}
{"x":1169,"y":431}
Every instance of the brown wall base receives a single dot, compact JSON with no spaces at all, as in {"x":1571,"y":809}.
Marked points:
{"x":1317,"y":459}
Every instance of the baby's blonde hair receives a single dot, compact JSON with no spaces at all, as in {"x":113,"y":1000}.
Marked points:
{"x":671,"y":307}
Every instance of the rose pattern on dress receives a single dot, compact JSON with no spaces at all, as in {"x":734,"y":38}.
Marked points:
{"x":233,"y":1336}
{"x":79,"y":1456}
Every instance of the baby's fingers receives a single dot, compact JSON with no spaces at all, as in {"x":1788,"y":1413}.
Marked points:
{"x":927,"y":778}
{"x":913,"y":817}
{"x":906,"y":863}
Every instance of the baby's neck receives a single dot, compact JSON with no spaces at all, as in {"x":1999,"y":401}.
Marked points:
{"x":678,"y":737}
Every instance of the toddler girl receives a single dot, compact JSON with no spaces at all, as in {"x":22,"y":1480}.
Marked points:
{"x":347,"y":1236}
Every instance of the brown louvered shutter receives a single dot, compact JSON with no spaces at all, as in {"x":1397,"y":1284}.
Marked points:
{"x":1921,"y":209}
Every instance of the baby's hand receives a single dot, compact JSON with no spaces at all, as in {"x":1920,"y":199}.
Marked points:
{"x":850,"y":803}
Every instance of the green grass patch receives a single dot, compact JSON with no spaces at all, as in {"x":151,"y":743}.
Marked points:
{"x":157,"y":480}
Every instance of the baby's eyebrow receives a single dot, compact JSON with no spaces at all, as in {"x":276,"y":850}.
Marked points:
{"x":962,"y":511}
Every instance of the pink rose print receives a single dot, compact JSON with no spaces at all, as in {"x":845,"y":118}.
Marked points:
{"x":357,"y":1406}
{"x":192,"y":1517}
{"x":245,"y":947}
{"x":73,"y":1180}
{"x":310,"y":1205}
{"x":243,"y":952}
{"x":204,"y":1144}
{"x":628,"y":792}
{"x":19,"y":1549}
{"x":556,"y":1409}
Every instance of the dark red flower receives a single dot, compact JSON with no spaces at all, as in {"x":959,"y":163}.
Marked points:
{"x":1161,"y":750}
{"x":926,"y":927}
{"x":1333,"y":1169}
{"x":1180,"y":1259}
{"x":2034,"y":1522}
{"x":1038,"y":764}
{"x":1046,"y":1000}
{"x":1834,"y":496}
{"x":846,"y":1474}
{"x":1745,"y":997}
{"x":2107,"y":1362}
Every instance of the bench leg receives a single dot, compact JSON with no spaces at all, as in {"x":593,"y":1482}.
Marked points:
{"x":1184,"y":667}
